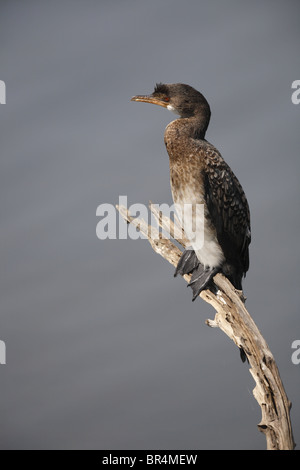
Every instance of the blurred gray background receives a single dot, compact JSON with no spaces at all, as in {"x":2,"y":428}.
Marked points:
{"x":105,"y":349}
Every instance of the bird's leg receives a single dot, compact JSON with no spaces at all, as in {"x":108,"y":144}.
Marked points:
{"x":202,"y":278}
{"x":187,"y":264}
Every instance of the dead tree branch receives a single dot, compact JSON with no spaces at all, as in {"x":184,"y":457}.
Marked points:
{"x":234,"y":320}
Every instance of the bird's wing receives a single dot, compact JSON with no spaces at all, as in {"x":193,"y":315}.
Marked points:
{"x":228,"y":209}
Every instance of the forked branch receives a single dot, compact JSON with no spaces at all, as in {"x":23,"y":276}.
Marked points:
{"x":234,"y":320}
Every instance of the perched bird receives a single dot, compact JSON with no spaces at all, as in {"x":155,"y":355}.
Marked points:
{"x":212,"y":205}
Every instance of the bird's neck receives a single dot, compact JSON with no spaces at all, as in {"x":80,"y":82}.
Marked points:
{"x":198,"y":125}
{"x":182,"y":132}
{"x":193,"y":127}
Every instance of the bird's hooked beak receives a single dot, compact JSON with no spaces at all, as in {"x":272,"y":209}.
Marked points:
{"x":150,"y":99}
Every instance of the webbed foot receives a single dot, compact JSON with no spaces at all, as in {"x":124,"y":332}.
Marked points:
{"x":202,"y":278}
{"x":187,"y":263}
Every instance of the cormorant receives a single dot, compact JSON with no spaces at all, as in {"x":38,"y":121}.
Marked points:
{"x":205,"y":189}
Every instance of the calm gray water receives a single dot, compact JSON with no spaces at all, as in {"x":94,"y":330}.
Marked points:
{"x":105,"y":349}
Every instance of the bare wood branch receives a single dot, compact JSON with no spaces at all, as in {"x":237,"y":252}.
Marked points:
{"x":173,"y":229}
{"x":235,"y":321}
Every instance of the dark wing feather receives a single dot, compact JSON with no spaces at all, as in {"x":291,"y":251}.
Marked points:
{"x":228,"y":209}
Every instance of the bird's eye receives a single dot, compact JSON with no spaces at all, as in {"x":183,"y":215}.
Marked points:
{"x":166,"y":98}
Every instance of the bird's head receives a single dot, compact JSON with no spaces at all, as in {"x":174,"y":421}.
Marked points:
{"x":179,"y":98}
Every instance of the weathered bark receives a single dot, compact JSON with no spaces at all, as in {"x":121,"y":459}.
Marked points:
{"x":234,"y":320}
